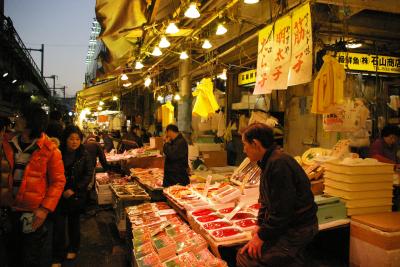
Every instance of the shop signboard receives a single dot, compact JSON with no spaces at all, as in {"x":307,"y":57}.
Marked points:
{"x":247,"y":77}
{"x":285,"y":52}
{"x":367,"y":62}
{"x":264,"y":59}
{"x":282,"y":52}
{"x":301,"y":61}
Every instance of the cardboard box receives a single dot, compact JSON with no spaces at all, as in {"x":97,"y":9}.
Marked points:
{"x":215,"y":158}
{"x":157,"y":143}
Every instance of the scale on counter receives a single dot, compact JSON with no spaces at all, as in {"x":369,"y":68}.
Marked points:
{"x":330,"y":208}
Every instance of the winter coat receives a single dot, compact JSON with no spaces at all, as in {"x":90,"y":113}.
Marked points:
{"x":43,"y":179}
{"x":176,"y":167}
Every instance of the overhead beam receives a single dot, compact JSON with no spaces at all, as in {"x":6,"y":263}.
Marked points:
{"x":390,"y":6}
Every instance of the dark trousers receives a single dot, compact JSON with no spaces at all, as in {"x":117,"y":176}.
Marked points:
{"x":65,"y":224}
{"x":287,"y":251}
{"x":23,"y":249}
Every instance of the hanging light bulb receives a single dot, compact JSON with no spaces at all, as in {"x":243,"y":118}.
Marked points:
{"x":156,"y":52}
{"x":172,"y":28}
{"x":177,"y":97}
{"x":115,"y":98}
{"x":101,"y":103}
{"x":192,"y":11}
{"x":184,"y":55}
{"x":138,"y":65}
{"x":124,"y":77}
{"x":251,"y":1}
{"x":99,"y":108}
{"x":164,"y":43}
{"x":5,"y":74}
{"x":127,"y":84}
{"x":14,"y":81}
{"x":221,"y":29}
{"x":147,"y":82}
{"x":206,"y":44}
{"x":222,"y":76}
{"x":160,"y":98}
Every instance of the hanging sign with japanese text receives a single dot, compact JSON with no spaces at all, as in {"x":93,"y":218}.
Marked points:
{"x":264,"y":59}
{"x":301,"y":60}
{"x":281,"y":52}
{"x":366,"y":62}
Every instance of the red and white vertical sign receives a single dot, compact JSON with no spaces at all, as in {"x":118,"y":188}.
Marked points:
{"x":282,"y":51}
{"x":301,"y":60}
{"x":264,"y":60}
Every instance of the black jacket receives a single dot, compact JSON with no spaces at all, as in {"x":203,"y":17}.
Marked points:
{"x":80,"y":172}
{"x":176,"y":167}
{"x":285,"y":196}
{"x":95,"y":151}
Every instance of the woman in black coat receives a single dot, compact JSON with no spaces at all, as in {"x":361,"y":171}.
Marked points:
{"x":78,"y":172}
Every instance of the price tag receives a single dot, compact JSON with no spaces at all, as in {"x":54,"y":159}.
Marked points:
{"x":207,"y":186}
{"x":229,"y":216}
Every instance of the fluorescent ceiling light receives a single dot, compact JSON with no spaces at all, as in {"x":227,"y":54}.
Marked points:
{"x":184,"y":55}
{"x":5,"y":74}
{"x":251,"y":1}
{"x":206,"y":44}
{"x":221,"y":29}
{"x":138,"y":65}
{"x":156,"y":52}
{"x":353,"y":45}
{"x":164,"y":43}
{"x":172,"y":28}
{"x":192,"y":11}
{"x":124,"y":77}
{"x":147,"y":82}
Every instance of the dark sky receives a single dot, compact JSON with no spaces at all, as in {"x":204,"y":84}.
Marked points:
{"x":64,"y":28}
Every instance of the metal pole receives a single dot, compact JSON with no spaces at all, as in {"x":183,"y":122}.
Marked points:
{"x":54,"y":85}
{"x":185,"y":104}
{"x":42,"y":61}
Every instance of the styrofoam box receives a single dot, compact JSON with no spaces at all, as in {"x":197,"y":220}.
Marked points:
{"x":378,"y":168}
{"x":237,"y":236}
{"x":359,"y":187}
{"x":358,"y":178}
{"x":103,"y":188}
{"x":104,"y":199}
{"x":357,"y":195}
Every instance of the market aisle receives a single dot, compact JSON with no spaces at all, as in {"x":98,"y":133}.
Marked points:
{"x":100,"y":242}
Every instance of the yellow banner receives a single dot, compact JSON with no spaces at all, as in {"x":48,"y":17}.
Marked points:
{"x":247,"y":77}
{"x":365,"y":62}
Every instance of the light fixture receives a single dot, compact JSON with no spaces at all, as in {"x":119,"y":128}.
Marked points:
{"x":160,"y":98}
{"x":172,"y":28}
{"x":14,"y":81}
{"x":99,"y":108}
{"x":222,"y":76}
{"x":115,"y":98}
{"x":206,"y":44}
{"x":127,"y":84}
{"x":353,"y":45}
{"x":5,"y":74}
{"x":124,"y":77}
{"x":156,"y":52}
{"x":70,"y":114}
{"x":184,"y":55}
{"x":101,"y":103}
{"x":192,"y":11}
{"x":138,"y":65}
{"x":147,"y":82}
{"x":177,"y":97}
{"x":221,"y":29}
{"x":164,"y":43}
{"x":251,"y":1}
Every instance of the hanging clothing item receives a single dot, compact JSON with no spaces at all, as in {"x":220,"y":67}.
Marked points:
{"x":167,"y":114}
{"x":328,"y":86}
{"x":206,"y":103}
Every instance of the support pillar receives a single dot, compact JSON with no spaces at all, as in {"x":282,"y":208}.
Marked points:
{"x":185,"y":104}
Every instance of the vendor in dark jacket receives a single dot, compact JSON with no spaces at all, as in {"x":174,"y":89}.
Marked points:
{"x":176,"y":167}
{"x":78,"y":172}
{"x":287,"y":219}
